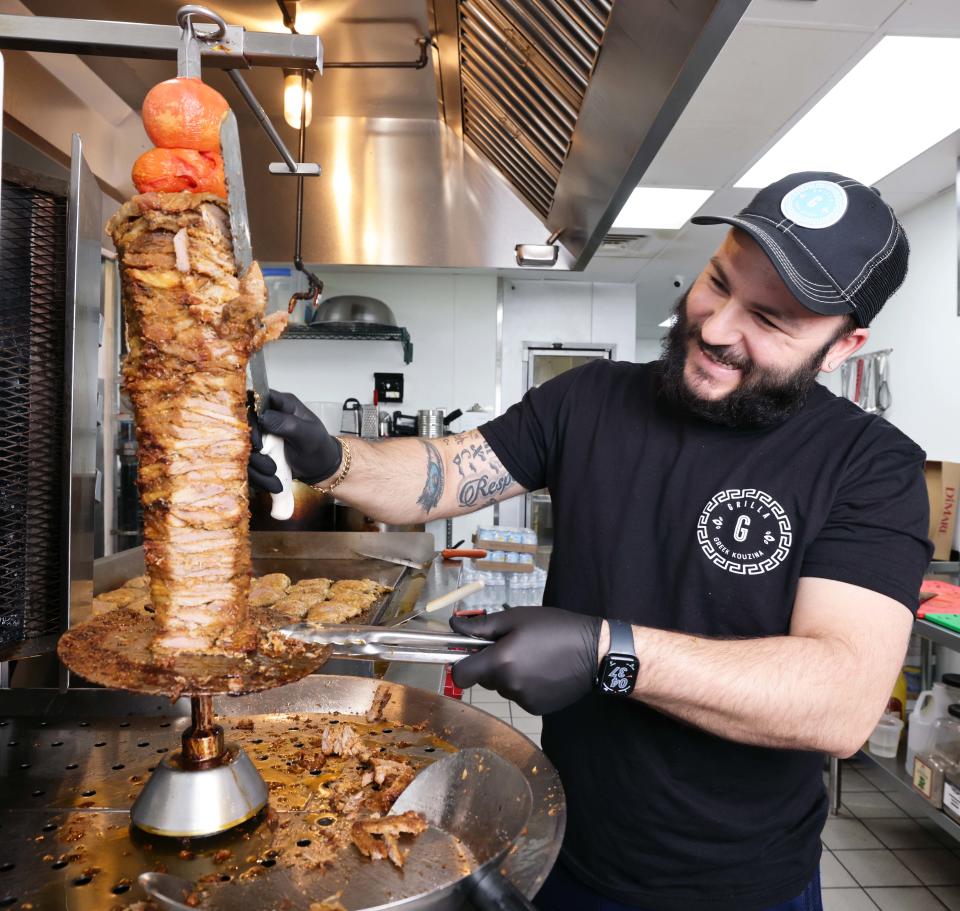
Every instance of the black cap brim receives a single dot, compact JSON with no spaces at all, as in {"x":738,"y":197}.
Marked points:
{"x":802,"y":275}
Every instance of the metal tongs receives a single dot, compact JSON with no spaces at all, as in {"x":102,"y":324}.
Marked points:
{"x":388,"y":644}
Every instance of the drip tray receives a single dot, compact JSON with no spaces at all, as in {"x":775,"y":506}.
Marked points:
{"x":65,"y":842}
{"x":68,"y":782}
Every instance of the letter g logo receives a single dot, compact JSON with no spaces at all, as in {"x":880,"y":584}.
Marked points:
{"x":740,"y":530}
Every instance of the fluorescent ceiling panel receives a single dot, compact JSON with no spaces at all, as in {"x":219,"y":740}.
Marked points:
{"x":659,"y":207}
{"x":899,"y":100}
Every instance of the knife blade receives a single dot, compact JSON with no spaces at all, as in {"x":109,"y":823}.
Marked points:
{"x":282,"y":503}
{"x":399,"y":561}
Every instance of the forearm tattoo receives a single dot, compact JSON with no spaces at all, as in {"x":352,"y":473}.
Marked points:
{"x":433,"y":488}
{"x":483,"y":479}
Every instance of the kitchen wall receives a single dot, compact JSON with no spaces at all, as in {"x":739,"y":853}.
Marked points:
{"x":452,"y":322}
{"x":921,"y":325}
{"x":647,"y":349}
{"x":561,"y":311}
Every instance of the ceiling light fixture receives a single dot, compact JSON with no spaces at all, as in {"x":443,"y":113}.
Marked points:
{"x":668,"y":322}
{"x":660,"y":207}
{"x":293,"y":100}
{"x":894,"y":104}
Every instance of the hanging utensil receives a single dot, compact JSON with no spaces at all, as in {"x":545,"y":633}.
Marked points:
{"x":867,"y":390}
{"x":883,"y":398}
{"x":845,"y":380}
{"x":858,"y":382}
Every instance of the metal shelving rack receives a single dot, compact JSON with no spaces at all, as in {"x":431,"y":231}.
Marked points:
{"x":929,"y":633}
{"x":354,"y":332}
{"x":898,"y":775}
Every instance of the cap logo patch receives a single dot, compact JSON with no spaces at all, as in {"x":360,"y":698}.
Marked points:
{"x":815,"y":204}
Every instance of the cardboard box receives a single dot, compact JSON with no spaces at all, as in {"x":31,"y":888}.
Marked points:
{"x":488,"y":545}
{"x":943,"y":484}
{"x":499,"y":566}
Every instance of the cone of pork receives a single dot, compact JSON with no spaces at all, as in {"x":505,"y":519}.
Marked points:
{"x":191,"y":326}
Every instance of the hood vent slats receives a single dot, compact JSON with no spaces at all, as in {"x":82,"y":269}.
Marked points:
{"x":524,"y":69}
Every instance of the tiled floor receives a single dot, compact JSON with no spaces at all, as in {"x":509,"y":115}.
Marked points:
{"x":510,"y":712}
{"x":881,"y":852}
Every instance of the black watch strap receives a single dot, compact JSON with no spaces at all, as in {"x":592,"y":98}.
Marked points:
{"x":618,"y":669}
{"x":621,"y":638}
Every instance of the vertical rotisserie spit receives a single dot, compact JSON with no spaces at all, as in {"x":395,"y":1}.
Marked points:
{"x":191,"y":326}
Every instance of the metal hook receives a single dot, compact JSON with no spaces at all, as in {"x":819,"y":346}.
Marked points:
{"x":188,"y":52}
{"x":186,"y":14}
{"x":313,"y":292}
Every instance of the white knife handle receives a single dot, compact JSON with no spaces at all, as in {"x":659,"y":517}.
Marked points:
{"x":282,"y":507}
{"x":452,"y":597}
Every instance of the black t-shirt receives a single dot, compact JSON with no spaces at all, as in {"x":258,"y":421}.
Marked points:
{"x":667,"y":521}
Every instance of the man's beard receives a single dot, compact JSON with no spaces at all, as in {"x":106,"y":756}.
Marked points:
{"x":763,"y":398}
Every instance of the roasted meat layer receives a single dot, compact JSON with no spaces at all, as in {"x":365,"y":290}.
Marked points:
{"x":191,"y":327}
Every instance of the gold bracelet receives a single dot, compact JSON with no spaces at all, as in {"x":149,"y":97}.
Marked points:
{"x":344,"y":469}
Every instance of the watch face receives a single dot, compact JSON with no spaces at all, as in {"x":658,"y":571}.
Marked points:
{"x":618,"y":674}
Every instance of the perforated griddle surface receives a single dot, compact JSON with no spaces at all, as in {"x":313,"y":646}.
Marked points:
{"x":73,"y":763}
{"x":65,"y":840}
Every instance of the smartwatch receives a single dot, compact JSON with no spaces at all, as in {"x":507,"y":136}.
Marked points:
{"x":618,"y":669}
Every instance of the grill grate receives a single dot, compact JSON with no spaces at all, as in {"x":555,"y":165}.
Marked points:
{"x":524,"y":69}
{"x":32,"y":293}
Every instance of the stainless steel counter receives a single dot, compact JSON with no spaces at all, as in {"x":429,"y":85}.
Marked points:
{"x":441,"y":577}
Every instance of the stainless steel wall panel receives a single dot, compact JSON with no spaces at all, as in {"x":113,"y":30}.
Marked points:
{"x":82,"y":318}
{"x":394,"y":192}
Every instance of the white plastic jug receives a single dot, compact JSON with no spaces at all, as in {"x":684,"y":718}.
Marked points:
{"x":944,"y":694}
{"x":922,"y":718}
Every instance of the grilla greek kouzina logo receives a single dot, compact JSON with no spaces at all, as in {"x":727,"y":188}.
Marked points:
{"x":744,"y":531}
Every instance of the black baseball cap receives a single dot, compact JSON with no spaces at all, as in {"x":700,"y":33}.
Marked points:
{"x":836,"y":244}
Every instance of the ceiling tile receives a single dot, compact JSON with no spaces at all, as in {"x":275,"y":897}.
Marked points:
{"x":766,"y":72}
{"x":925,"y":17}
{"x":833,"y":13}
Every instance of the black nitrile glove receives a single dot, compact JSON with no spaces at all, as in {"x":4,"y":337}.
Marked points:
{"x":313,"y":455}
{"x":543,"y":658}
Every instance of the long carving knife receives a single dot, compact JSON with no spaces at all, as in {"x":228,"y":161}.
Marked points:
{"x":283,"y":503}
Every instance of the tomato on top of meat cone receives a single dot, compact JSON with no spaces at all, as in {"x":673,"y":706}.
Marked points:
{"x":184,"y":113}
{"x":176,"y":170}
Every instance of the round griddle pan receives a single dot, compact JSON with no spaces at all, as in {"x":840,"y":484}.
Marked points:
{"x":477,"y":805}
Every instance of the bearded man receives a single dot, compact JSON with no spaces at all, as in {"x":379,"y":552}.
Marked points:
{"x":736,"y":563}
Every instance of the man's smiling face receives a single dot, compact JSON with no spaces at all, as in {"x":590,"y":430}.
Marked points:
{"x":744,"y":351}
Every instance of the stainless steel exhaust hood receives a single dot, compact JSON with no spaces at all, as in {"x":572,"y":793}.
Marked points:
{"x":551,"y":111}
{"x":524,"y":69}
{"x":539,"y":118}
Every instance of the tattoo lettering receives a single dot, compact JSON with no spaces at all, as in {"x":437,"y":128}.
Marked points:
{"x":484,"y":478}
{"x":433,"y":488}
{"x":490,"y":486}
{"x":469,"y":456}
